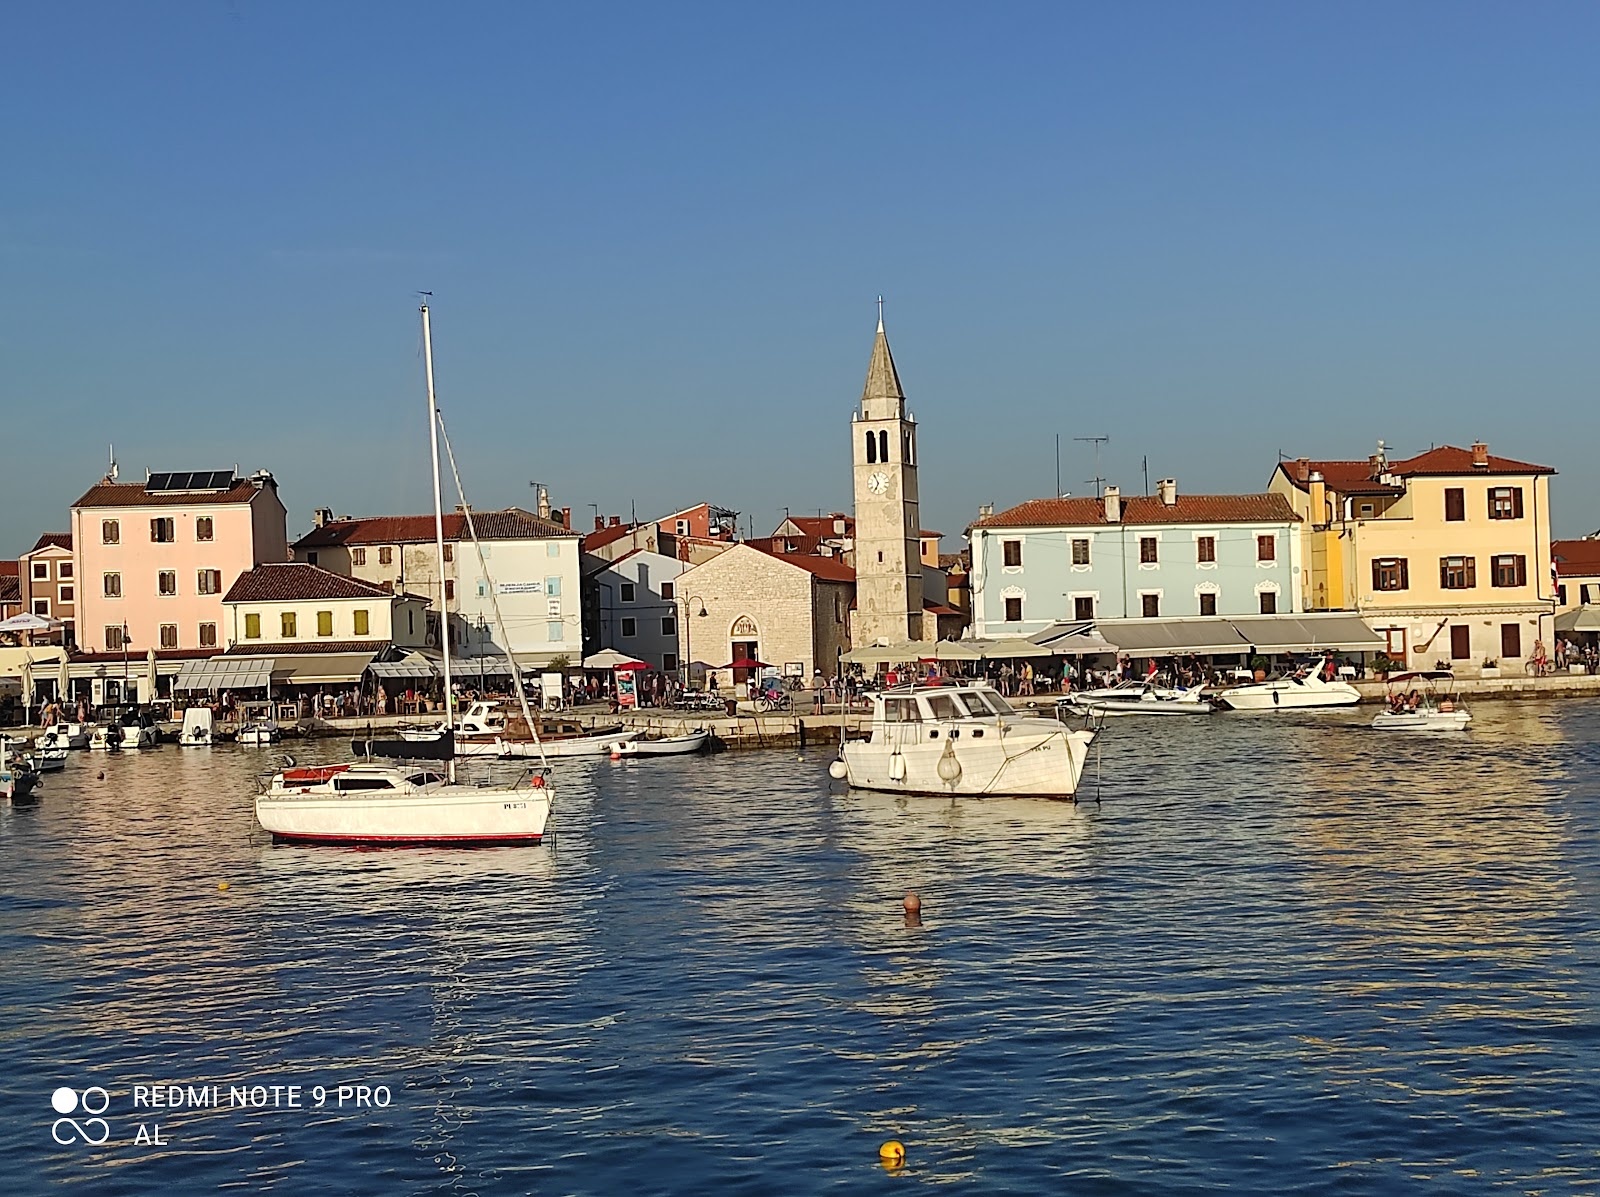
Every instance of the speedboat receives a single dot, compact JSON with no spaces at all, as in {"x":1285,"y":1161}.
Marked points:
{"x":260,"y":733}
{"x":484,"y":731}
{"x":197,"y":731}
{"x":399,"y":804}
{"x":1429,"y":707}
{"x":67,"y":734}
{"x":1138,"y":698}
{"x":962,"y":739}
{"x":125,"y":731}
{"x":695,"y":741}
{"x":1301,"y":691}
{"x":24,"y":757}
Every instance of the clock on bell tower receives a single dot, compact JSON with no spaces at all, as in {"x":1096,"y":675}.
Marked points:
{"x":888,"y":544}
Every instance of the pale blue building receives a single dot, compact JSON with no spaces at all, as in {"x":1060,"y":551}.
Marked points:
{"x":1157,"y":557}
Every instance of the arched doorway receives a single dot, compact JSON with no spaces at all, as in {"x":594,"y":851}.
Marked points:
{"x":744,"y":644}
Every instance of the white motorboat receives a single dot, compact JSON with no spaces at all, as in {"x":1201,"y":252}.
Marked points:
{"x":395,"y":804}
{"x":125,"y":731}
{"x":484,"y":732}
{"x":68,"y":734}
{"x":962,"y":739}
{"x":1428,"y":707}
{"x":260,"y":733}
{"x":197,"y":730}
{"x":30,"y":758}
{"x":1138,"y":698}
{"x":1303,"y":691}
{"x":370,"y":803}
{"x":695,"y":741}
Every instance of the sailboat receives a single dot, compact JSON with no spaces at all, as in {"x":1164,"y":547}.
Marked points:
{"x":410,"y":802}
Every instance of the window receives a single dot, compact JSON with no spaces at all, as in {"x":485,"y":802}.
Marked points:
{"x":552,"y":587}
{"x":202,"y":527}
{"x":630,"y":626}
{"x":449,"y":590}
{"x":1367,"y":510}
{"x":1080,"y":551}
{"x":1390,"y":573}
{"x":669,"y":662}
{"x":169,"y":635}
{"x":358,"y":556}
{"x":1455,"y":504}
{"x":1505,"y":503}
{"x":114,"y":639}
{"x":554,"y":632}
{"x":1147,"y":550}
{"x":324,"y":623}
{"x":363,"y":627}
{"x":209,"y":581}
{"x":1509,"y":569}
{"x":287,"y":623}
{"x":1011,"y":553}
{"x":1458,"y":573}
{"x":208,"y":635}
{"x":627,"y":592}
{"x":1511,"y":640}
{"x":551,"y":549}
{"x":110,"y":532}
{"x":1013,"y":610}
{"x":41,"y":606}
{"x":167,"y":582}
{"x":909,"y":449}
{"x":41,"y":571}
{"x":113,"y":585}
{"x":386,"y":555}
{"x":1205,"y":550}
{"x":64,"y":569}
{"x":1083,"y":608}
{"x":872,"y":452}
{"x":449,"y":552}
{"x":1561,"y":595}
{"x":311,"y":557}
{"x":1208,"y":602}
{"x":252,"y":626}
{"x":161,"y":530}
{"x":669,"y":625}
{"x":1269,"y":602}
{"x":668,"y":591}
{"x":883,"y":445}
{"x":64,"y":594}
{"x":1266,"y":548}
{"x":1150,"y":605}
{"x":901,"y":710}
{"x":1460,"y":642}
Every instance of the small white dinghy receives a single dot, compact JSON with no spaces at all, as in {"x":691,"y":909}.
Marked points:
{"x":1429,"y":706}
{"x":196,"y":731}
{"x":695,"y":741}
{"x":258,"y":735}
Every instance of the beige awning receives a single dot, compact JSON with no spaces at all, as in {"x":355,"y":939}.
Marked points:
{"x":315,"y":669}
{"x":1580,"y":619}
{"x":41,"y":657}
{"x":889,"y":654}
{"x":1308,"y":631}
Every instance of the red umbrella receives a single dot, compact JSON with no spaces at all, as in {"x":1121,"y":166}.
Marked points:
{"x":631,"y":667}
{"x":746,"y":663}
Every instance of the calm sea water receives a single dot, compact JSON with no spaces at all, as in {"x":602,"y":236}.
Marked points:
{"x":1280,"y":955}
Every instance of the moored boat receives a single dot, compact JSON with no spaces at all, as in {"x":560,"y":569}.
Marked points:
{"x":1303,"y":690}
{"x":1430,"y":706}
{"x":695,"y":741}
{"x":260,"y":733}
{"x":1138,"y":698}
{"x":197,"y":730}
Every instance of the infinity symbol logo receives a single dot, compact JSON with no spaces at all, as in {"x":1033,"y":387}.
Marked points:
{"x":94,"y":1100}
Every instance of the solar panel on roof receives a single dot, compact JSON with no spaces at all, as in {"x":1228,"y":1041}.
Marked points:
{"x":189,"y":480}
{"x":158,"y":482}
{"x":222,"y":479}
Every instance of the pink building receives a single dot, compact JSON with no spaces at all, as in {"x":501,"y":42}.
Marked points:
{"x":154,"y":559}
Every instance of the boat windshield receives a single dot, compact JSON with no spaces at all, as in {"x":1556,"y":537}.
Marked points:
{"x":980,"y":699}
{"x":901,"y":710}
{"x":945,"y":706}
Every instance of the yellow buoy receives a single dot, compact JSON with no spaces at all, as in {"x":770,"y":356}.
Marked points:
{"x":892,"y":1153}
{"x":222,"y":885}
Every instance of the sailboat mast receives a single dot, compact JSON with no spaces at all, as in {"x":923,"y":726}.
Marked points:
{"x":438,"y":521}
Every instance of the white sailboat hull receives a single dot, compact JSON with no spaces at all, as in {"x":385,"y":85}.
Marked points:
{"x":666,"y":746}
{"x":598,"y":745}
{"x":440,"y":814}
{"x":1035,"y":757}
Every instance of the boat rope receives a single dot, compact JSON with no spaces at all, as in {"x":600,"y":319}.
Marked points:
{"x":494,"y":599}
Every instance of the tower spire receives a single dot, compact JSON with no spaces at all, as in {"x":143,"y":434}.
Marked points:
{"x":882,"y":398}
{"x":880,"y":313}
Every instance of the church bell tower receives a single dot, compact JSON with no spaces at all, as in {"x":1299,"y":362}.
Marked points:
{"x":888,"y":540}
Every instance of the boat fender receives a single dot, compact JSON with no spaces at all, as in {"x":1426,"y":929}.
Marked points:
{"x":897,"y":767}
{"x":838,"y":771}
{"x":537,"y":783}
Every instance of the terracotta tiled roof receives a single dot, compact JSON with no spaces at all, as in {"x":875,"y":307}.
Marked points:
{"x":826,"y":568}
{"x":288,"y":581}
{"x":1577,"y":558}
{"x":1448,"y":460}
{"x":1144,"y":510}
{"x":133,"y":494}
{"x":821,"y":526}
{"x":301,"y":648}
{"x":510,"y":524}
{"x":53,"y":540}
{"x":1345,"y":477}
{"x":956,"y":561}
{"x":10,"y":588}
{"x":600,"y":537}
{"x":10,"y":569}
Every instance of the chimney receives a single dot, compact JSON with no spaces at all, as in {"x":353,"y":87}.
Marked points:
{"x":1318,"y":488}
{"x":1480,"y":455}
{"x":599,"y":522}
{"x":838,"y":525}
{"x":544,"y":503}
{"x":1167,"y":491}
{"x":321,"y":517}
{"x":566,"y":518}
{"x":1113,"y":497}
{"x":616,"y":521}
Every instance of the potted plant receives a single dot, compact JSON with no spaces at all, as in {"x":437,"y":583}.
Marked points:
{"x":1258,"y":665}
{"x":1383,"y":665}
{"x":1490,"y":668}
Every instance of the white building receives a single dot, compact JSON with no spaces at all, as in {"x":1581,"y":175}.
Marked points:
{"x":635,"y":601}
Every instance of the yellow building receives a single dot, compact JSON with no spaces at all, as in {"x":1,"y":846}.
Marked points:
{"x":1446,"y":554}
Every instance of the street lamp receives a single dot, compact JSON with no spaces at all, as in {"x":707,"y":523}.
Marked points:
{"x":124,"y":695}
{"x":688,"y":618}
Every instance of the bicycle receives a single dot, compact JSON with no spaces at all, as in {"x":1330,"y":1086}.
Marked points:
{"x":774,"y":700}
{"x":1540,"y":667}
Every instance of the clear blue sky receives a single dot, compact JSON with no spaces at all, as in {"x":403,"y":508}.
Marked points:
{"x":655,"y":235}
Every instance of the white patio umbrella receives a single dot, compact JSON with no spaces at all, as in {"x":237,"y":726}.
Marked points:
{"x":63,"y":682}
{"x":150,"y":676}
{"x":27,"y":688}
{"x":27,"y":621}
